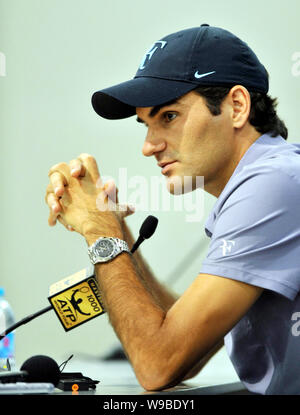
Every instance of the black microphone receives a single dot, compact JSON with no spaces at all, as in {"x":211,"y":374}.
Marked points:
{"x":146,"y":231}
{"x":37,"y":369}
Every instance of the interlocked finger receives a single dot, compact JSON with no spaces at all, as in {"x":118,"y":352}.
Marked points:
{"x":111,"y":191}
{"x":77,"y":168}
{"x":59,"y":176}
{"x":89,"y":163}
{"x":55,"y":207}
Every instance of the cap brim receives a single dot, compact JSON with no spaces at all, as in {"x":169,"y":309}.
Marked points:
{"x":121,"y":101}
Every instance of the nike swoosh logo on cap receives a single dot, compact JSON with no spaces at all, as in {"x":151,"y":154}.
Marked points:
{"x":198,"y":75}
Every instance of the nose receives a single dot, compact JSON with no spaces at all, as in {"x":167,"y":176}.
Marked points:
{"x":152,"y":145}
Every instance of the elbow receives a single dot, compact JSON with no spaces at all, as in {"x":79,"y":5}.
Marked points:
{"x":151,"y":384}
{"x":155,"y":379}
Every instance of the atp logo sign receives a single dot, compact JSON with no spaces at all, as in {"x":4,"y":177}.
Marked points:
{"x":77,"y":304}
{"x":71,"y":306}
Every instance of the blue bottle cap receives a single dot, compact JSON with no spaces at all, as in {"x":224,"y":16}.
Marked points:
{"x":2,"y":292}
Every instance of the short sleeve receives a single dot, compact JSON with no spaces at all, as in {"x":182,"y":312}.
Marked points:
{"x":255,"y":235}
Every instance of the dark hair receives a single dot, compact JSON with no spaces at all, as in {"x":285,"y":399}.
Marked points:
{"x":262,"y":115}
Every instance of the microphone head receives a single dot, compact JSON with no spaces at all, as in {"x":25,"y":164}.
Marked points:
{"x":148,"y":227}
{"x":42,"y":369}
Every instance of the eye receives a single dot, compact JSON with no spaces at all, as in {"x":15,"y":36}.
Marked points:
{"x":169,"y":116}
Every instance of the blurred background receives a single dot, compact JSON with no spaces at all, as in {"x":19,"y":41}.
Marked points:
{"x":54,"y":54}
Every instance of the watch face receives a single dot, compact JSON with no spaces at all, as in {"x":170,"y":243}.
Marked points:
{"x":104,"y":248}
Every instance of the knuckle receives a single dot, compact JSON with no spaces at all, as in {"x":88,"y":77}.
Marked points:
{"x":76,"y":165}
{"x":47,"y":198}
{"x":58,"y":179}
{"x":55,"y":177}
{"x":49,"y":191}
{"x":74,"y":162}
{"x":58,"y":166}
{"x":52,"y":170}
{"x":50,"y":221}
{"x":51,"y":199}
{"x":86,"y":156}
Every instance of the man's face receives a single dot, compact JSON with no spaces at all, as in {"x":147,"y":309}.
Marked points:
{"x":194,"y":142}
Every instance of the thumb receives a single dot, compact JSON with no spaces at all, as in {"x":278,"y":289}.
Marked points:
{"x":124,"y":210}
{"x":111,"y":190}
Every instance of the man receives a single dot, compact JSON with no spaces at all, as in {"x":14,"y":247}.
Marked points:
{"x":202,"y":94}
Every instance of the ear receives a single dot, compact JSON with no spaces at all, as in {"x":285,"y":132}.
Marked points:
{"x":240,"y":101}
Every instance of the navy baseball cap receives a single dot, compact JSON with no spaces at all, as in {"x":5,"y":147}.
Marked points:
{"x":177,"y":64}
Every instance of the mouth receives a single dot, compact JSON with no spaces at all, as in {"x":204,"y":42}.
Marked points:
{"x":166,"y":165}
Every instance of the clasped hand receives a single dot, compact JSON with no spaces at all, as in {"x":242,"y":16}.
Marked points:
{"x":79,"y":200}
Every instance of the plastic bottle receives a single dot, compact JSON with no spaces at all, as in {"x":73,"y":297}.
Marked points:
{"x":7,"y":345}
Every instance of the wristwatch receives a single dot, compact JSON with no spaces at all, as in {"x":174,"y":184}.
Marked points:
{"x":105,"y":249}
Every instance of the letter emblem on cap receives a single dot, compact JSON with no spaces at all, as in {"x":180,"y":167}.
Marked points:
{"x":150,"y":52}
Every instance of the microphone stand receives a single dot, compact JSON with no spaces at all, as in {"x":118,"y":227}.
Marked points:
{"x":24,"y":321}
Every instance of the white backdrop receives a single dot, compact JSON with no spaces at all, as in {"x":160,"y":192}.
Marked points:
{"x":53,"y":55}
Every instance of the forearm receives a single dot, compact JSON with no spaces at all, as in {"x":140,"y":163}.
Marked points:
{"x":157,"y":342}
{"x":133,"y":313}
{"x":163,"y":296}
